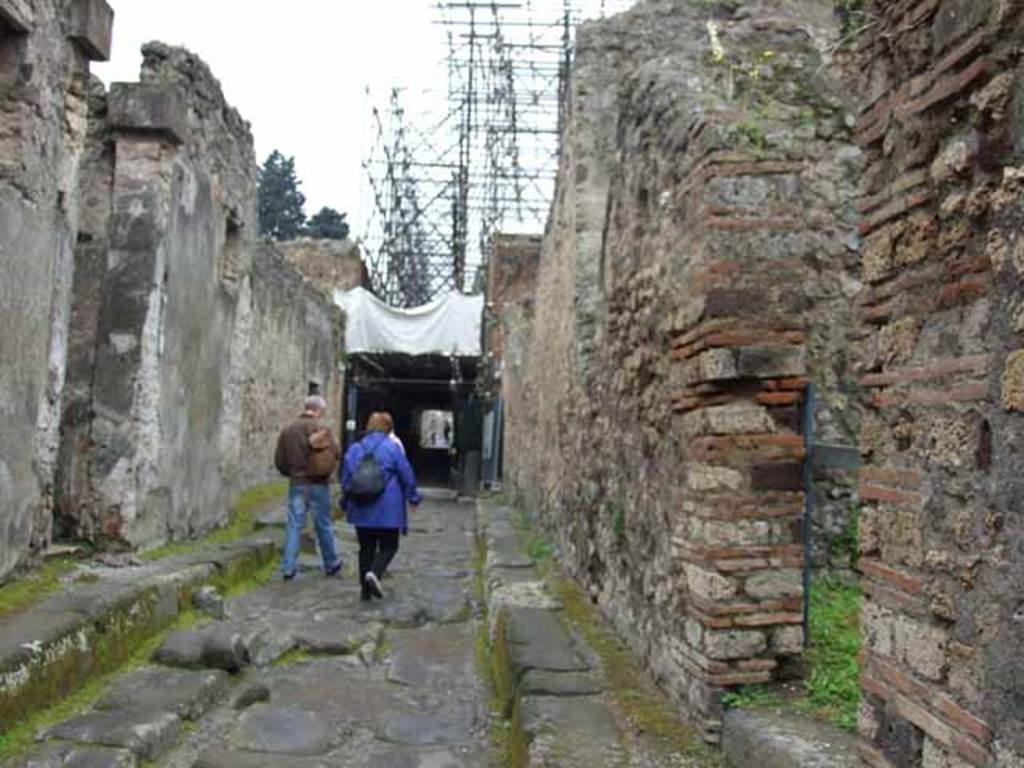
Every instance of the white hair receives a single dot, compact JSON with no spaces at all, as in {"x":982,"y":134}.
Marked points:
{"x":315,"y":403}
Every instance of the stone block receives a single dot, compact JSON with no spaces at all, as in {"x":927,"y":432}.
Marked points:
{"x":59,"y":755}
{"x":148,"y":108}
{"x":772,"y":360}
{"x":1013,"y":381}
{"x":735,"y":419}
{"x":92,"y":27}
{"x":734,"y":644}
{"x":776,"y":584}
{"x":778,"y":476}
{"x":708,"y":584}
{"x":760,"y":739}
{"x":787,"y":641}
{"x":16,"y":16}
{"x":148,"y":734}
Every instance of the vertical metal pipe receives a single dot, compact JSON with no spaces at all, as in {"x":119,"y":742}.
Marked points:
{"x":808,"y":528}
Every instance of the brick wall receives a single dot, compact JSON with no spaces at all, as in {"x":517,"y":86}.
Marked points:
{"x":942,"y":528}
{"x":697,"y":272}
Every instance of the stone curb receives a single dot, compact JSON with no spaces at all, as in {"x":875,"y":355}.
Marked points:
{"x":776,"y":739}
{"x":545,"y":685}
{"x":49,"y":651}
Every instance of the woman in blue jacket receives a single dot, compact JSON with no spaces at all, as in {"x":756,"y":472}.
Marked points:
{"x":379,"y":522}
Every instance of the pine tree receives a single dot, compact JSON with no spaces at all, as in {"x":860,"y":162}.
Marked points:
{"x":280,"y":201}
{"x":328,"y":224}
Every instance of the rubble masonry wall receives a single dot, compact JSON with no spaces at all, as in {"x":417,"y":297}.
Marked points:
{"x":698,"y":270}
{"x":942,"y":532}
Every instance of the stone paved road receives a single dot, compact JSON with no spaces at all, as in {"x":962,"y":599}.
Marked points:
{"x":319,"y":678}
{"x":387,"y":683}
{"x":303,"y":674}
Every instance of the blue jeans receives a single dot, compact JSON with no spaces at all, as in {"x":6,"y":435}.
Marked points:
{"x":318,"y":498}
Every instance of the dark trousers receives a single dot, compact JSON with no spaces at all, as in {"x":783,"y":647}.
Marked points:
{"x":377,"y":546}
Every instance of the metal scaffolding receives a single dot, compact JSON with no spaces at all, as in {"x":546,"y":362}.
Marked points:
{"x":442,"y":182}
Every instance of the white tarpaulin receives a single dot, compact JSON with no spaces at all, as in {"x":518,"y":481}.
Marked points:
{"x":449,"y":325}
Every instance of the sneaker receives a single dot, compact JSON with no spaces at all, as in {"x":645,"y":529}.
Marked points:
{"x":333,"y":571}
{"x":288,"y":576}
{"x":373,"y":584}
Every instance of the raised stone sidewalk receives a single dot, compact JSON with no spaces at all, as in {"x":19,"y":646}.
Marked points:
{"x":549,"y":681}
{"x":92,"y":626}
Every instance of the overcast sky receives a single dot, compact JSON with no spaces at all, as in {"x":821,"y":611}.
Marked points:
{"x":297,"y":71}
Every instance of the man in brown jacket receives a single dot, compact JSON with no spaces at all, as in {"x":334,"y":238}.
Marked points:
{"x":307,"y":453}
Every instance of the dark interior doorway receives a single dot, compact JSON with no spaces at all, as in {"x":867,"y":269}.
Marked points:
{"x":425,"y":395}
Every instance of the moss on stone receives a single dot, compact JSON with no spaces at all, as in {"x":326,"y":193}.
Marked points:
{"x":80,"y":694}
{"x":240,"y":523}
{"x":125,"y":636}
{"x":635,"y":695}
{"x":23,"y":593}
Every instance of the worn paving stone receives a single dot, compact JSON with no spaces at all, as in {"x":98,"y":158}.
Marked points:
{"x":439,"y":658}
{"x":219,"y":757}
{"x":769,"y":739}
{"x":538,"y":640}
{"x":506,"y":552}
{"x":426,"y":600}
{"x":569,"y":732}
{"x":147,"y":734}
{"x":212,"y":647}
{"x":256,"y":693}
{"x":539,"y":682}
{"x":284,"y":730}
{"x":75,"y":756}
{"x":451,"y":724}
{"x":188,"y":694}
{"x":428,"y":758}
{"x":336,"y":633}
{"x":522,"y":594}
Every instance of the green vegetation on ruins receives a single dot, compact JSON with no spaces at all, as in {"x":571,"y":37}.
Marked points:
{"x":831,"y":686}
{"x":638,"y":698}
{"x":240,"y":523}
{"x":33,"y":588}
{"x":19,"y":738}
{"x":833,"y":674}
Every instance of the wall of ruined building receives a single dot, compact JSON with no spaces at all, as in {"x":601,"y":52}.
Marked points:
{"x":45,"y":50}
{"x":511,"y":280}
{"x":192,"y":341}
{"x":698,"y":271}
{"x":942,"y":529}
{"x":329,"y":264}
{"x":294,"y":336}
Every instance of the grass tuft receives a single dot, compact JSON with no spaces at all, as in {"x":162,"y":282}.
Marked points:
{"x":19,"y":595}
{"x":833,"y":679}
{"x":750,"y":697}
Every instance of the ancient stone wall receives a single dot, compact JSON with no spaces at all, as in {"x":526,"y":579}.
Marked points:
{"x":190,"y":339}
{"x":293,"y":337}
{"x":942,"y":527}
{"x":330,"y":264}
{"x":511,"y":283}
{"x":45,"y":50}
{"x":697,"y":272}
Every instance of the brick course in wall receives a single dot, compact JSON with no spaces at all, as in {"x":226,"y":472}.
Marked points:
{"x":942,"y":528}
{"x":697,"y":272}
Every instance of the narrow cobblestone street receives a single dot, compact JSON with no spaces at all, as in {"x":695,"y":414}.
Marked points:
{"x":470,"y":659}
{"x":320,"y":677}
